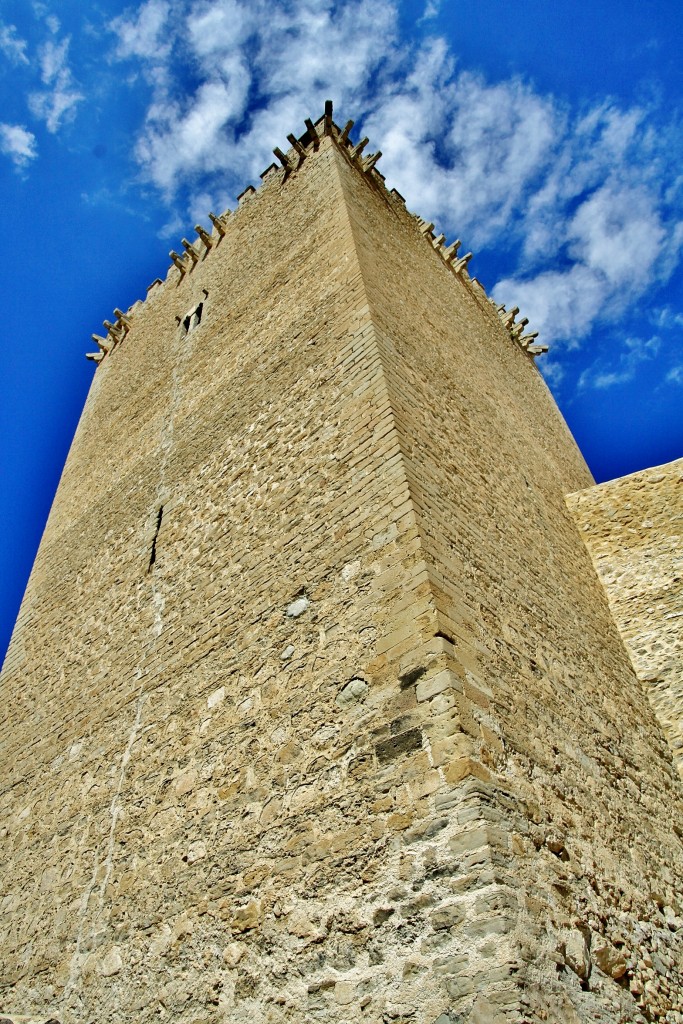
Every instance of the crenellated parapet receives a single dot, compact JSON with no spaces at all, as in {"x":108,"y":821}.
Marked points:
{"x":516,"y":330}
{"x":287,"y":163}
{"x":116,"y":332}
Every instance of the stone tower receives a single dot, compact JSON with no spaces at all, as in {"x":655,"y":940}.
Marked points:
{"x":315,"y":709}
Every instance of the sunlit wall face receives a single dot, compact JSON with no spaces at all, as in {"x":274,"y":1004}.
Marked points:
{"x":544,"y":136}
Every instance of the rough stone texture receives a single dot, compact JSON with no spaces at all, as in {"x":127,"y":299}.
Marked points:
{"x":633,"y":529}
{"x":346,"y":731}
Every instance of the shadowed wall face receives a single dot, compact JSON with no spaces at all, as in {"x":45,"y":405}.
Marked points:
{"x":318,"y":709}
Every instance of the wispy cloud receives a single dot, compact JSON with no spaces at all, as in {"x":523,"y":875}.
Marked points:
{"x":602,"y":217}
{"x":666,"y":318}
{"x":634,"y":351}
{"x":259,"y":70}
{"x":675,"y":375}
{"x":432,"y":8}
{"x":146,"y":36}
{"x":466,"y":152}
{"x":57,"y":101}
{"x":586,"y":203}
{"x":18,"y":144}
{"x":12,"y":46}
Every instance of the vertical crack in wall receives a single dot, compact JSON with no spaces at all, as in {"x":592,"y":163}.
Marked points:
{"x":117,"y":806}
{"x":74,"y":966}
{"x":116,"y":809}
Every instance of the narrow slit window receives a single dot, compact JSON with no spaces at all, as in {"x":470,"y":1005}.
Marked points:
{"x":193,"y":318}
{"x":153,"y":552}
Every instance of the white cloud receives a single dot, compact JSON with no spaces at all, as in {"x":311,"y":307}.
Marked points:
{"x":432,"y":8}
{"x":463,"y":152}
{"x":602,"y":216}
{"x":18,"y":144}
{"x":585,"y":205}
{"x":558,"y":303}
{"x":553,"y":371}
{"x":615,"y":228}
{"x":147,"y":35}
{"x":666,"y":318}
{"x":13,"y":47}
{"x":635,"y":351}
{"x":260,"y":69}
{"x":220,"y":27}
{"x":178,"y":141}
{"x":675,"y":375}
{"x":58,"y":100}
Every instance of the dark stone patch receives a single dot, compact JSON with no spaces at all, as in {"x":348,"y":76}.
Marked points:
{"x":395,"y":746}
{"x":400,"y":725}
{"x":425,"y":830}
{"x":321,"y":986}
{"x":381,"y":915}
{"x":411,"y":676}
{"x":447,"y":917}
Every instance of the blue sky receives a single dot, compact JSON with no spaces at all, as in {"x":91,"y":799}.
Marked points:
{"x":546,"y":135}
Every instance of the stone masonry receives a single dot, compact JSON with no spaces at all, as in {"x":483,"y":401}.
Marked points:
{"x":315,"y":709}
{"x":633,"y":528}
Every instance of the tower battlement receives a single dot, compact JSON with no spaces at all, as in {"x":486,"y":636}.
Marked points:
{"x":288,"y":163}
{"x":315,"y":708}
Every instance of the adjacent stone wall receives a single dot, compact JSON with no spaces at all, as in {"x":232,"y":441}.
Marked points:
{"x":315,"y":709}
{"x":633,"y":529}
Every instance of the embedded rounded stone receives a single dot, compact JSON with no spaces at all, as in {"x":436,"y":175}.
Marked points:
{"x":355,"y":690}
{"x":112,"y":963}
{"x":576,"y":954}
{"x":298,"y":607}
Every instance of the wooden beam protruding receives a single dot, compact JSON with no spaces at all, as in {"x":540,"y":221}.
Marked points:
{"x":282,"y":157}
{"x":217,"y":223}
{"x":344,"y":134}
{"x":102,"y":343}
{"x":191,"y":252}
{"x":113,"y":329}
{"x":359,"y":147}
{"x":460,"y":264}
{"x":451,"y":252}
{"x":526,"y":339}
{"x":296,"y":146}
{"x":516,"y":331}
{"x":370,"y":162}
{"x":204,"y":235}
{"x":123,"y":319}
{"x":312,"y":132}
{"x":177,"y":261}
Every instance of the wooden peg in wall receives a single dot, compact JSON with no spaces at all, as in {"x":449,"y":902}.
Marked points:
{"x":191,"y":252}
{"x":177,"y":261}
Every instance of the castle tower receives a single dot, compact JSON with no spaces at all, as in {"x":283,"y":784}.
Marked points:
{"x":315,"y":709}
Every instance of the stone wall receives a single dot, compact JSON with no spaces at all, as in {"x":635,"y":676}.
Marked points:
{"x":558,"y":713}
{"x":633,"y":529}
{"x":317,"y":709}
